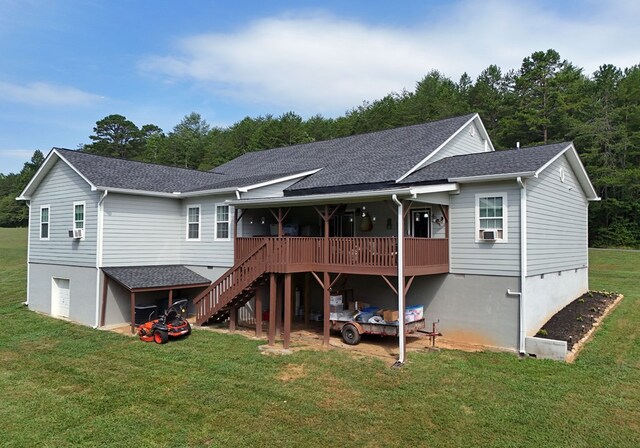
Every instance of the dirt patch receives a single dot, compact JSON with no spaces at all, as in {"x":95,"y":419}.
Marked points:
{"x":292,"y":372}
{"x":576,"y":320}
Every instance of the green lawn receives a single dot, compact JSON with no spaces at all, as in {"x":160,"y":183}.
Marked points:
{"x":66,"y":385}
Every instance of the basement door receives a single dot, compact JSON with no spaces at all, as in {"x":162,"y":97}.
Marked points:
{"x":60,"y":297}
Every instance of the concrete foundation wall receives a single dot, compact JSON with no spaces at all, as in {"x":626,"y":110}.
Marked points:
{"x":470,"y":308}
{"x":547,"y":294}
{"x":82,"y":290}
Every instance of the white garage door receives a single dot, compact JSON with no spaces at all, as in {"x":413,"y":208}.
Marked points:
{"x":60,"y":297}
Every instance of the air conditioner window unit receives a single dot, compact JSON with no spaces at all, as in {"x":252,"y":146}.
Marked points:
{"x":78,"y":233}
{"x":490,"y":235}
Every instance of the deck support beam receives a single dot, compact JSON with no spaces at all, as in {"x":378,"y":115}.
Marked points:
{"x":233,"y":318}
{"x":132,"y":298}
{"x":170,"y":297}
{"x":258,"y":311}
{"x":272,"y":308}
{"x":287,"y":310}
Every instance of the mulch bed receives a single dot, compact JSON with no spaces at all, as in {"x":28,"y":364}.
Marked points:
{"x":574,"y":321}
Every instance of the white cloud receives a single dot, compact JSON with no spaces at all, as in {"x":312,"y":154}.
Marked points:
{"x":45,"y":94}
{"x":327,"y":64}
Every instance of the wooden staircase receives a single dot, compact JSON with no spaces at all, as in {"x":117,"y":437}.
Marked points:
{"x":234,"y":288}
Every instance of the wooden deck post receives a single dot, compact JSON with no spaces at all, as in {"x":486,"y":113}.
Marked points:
{"x":105,"y":289}
{"x":305,"y":297}
{"x":327,"y":309}
{"x":233,"y":318}
{"x":132,"y":297}
{"x":279,"y":300}
{"x":272,"y":308}
{"x":170,"y":297}
{"x":287,"y":310}
{"x":258,"y":311}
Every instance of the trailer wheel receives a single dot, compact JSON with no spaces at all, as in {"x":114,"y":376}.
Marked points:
{"x":350,"y":334}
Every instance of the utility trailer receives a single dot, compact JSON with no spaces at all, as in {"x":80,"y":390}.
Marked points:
{"x":352,"y":331}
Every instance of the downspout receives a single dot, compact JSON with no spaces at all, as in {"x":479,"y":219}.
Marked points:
{"x":29,"y":250}
{"x":401,"y":335}
{"x":99,"y":254}
{"x":523,"y":261}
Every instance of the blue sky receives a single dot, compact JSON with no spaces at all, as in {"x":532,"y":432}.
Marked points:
{"x":66,"y":64}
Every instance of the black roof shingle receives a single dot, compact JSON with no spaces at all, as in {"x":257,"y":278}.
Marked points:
{"x":138,"y":277}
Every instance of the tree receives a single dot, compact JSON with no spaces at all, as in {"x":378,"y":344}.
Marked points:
{"x":188,"y":139}
{"x":114,"y":135}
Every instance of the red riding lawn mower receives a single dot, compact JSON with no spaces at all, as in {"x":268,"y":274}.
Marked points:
{"x":170,"y":324}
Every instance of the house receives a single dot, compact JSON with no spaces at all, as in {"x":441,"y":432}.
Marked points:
{"x":491,"y":243}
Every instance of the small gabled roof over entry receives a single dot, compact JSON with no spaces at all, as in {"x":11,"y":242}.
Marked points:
{"x":156,"y":278}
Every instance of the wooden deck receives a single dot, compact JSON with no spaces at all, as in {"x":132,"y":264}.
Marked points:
{"x":357,"y":255}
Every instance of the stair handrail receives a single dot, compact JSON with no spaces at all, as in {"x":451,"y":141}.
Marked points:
{"x":231,"y":285}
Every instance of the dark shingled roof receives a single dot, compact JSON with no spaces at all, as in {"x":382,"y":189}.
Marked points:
{"x":487,"y":164}
{"x":138,"y":277}
{"x":132,"y":175}
{"x":376,"y":157}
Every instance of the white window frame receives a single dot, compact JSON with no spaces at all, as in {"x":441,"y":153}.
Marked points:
{"x":189,"y":207}
{"x":48,"y":223}
{"x":505,"y":214}
{"x":216,"y":222}
{"x":84,"y":217}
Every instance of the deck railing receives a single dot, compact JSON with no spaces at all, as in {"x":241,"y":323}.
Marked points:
{"x":287,"y":253}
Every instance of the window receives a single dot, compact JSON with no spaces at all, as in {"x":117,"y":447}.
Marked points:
{"x":491,"y":216}
{"x":78,"y":219}
{"x":44,"y":222}
{"x":222,"y":222}
{"x":193,"y":222}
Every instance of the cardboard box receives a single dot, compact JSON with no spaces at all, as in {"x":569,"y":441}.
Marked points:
{"x":413,"y":313}
{"x":390,"y":315}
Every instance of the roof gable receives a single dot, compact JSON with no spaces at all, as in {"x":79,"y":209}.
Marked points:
{"x":377,"y":157}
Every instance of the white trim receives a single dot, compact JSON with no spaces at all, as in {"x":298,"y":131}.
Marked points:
{"x":483,"y":133}
{"x":491,"y":177}
{"x":99,"y":253}
{"x":84,"y":218}
{"x":275,"y":181}
{"x":439,"y":188}
{"x":215,"y":222}
{"x":523,"y":262}
{"x":29,"y":228}
{"x":48,"y":207}
{"x":190,"y":206}
{"x":576,"y":165}
{"x":48,"y":163}
{"x":505,"y":213}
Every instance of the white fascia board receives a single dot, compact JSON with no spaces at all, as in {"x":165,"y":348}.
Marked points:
{"x":426,"y":189}
{"x":318,"y":198}
{"x":193,"y":194}
{"x":475,"y":117}
{"x":43,"y":170}
{"x":491,"y":177}
{"x":278,"y":180}
{"x":577,"y":166}
{"x":159,"y":194}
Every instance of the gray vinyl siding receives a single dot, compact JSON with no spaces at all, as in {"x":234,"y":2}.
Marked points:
{"x":142,"y":230}
{"x":484,"y":258}
{"x":269,"y":191}
{"x":60,"y":189}
{"x":463,"y":143}
{"x":207,"y":251}
{"x":556,"y":221}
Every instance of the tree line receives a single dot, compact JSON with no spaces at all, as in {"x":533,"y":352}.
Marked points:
{"x":547,"y":99}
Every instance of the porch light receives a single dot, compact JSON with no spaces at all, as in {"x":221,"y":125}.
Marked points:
{"x":251,"y":220}
{"x":373,"y":218}
{"x":417,"y":218}
{"x":262,"y":220}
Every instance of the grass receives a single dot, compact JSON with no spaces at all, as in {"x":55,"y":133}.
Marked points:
{"x":67,"y":385}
